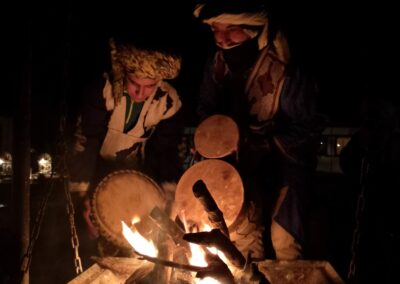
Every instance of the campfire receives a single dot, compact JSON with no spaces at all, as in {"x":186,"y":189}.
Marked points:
{"x":188,"y":243}
{"x":185,"y":251}
{"x":197,"y":253}
{"x":146,"y":250}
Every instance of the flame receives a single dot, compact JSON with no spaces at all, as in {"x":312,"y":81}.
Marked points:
{"x":135,"y":220}
{"x":198,"y":259}
{"x":214,"y":250}
{"x":145,"y":247}
{"x":207,"y":280}
{"x":198,"y":256}
{"x":137,"y":241}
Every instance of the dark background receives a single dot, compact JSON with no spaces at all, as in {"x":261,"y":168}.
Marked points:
{"x":348,"y":45}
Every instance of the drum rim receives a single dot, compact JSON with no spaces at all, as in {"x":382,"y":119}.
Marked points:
{"x":106,"y":234}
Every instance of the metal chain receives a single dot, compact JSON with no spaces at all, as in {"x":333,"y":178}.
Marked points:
{"x":63,"y":150}
{"x":70,"y":205}
{"x":359,"y":212}
{"x":27,"y":258}
{"x":74,"y":235}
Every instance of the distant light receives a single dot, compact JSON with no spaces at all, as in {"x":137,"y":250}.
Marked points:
{"x":44,"y":163}
{"x":6,"y":164}
{"x":338,"y":145}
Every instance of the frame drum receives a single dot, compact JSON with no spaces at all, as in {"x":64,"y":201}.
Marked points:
{"x":225,"y":186}
{"x":216,"y":137}
{"x":121,"y":196}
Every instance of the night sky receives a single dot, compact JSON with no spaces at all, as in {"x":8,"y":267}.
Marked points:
{"x":348,"y":47}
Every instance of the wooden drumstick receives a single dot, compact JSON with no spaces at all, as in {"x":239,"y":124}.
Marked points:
{"x":215,"y":215}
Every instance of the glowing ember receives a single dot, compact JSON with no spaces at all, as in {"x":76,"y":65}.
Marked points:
{"x":135,"y":220}
{"x":138,"y":242}
{"x":207,"y":280}
{"x":147,"y":248}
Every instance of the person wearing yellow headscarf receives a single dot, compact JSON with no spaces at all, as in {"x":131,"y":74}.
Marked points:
{"x":131,"y":120}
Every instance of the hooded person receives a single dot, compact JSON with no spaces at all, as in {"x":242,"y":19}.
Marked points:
{"x":130,"y":119}
{"x":250,"y":78}
{"x":123,"y":110}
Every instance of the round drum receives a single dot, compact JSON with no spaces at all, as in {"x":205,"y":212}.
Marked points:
{"x":121,"y":196}
{"x":224,"y":184}
{"x":216,"y":137}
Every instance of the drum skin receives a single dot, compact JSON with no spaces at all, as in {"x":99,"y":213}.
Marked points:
{"x":216,"y":137}
{"x":121,"y":196}
{"x":224,"y":184}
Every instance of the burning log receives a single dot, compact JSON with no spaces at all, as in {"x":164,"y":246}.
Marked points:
{"x":125,"y":266}
{"x":217,"y":269}
{"x":172,"y":264}
{"x":215,"y":215}
{"x":217,"y":239}
{"x":168,"y":226}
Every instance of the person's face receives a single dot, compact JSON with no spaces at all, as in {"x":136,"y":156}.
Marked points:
{"x":227,"y":36}
{"x":140,"y":89}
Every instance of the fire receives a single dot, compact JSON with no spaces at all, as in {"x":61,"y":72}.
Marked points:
{"x":198,"y":258}
{"x":213,"y":250}
{"x":207,"y":280}
{"x":145,"y":247}
{"x":137,"y":241}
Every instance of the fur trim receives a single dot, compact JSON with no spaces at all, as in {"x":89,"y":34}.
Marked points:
{"x":108,"y":94}
{"x":143,"y":63}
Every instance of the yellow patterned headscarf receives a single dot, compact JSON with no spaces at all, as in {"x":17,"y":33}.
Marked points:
{"x":143,"y":63}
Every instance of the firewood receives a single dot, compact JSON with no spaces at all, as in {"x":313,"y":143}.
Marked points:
{"x":216,"y":269}
{"x":215,"y":215}
{"x":217,"y":239}
{"x":168,"y":226}
{"x":125,"y":266}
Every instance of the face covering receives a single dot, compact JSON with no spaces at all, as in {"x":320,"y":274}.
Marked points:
{"x":240,"y":58}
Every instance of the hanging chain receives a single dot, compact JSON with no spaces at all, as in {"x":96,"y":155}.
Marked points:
{"x":74,"y":235}
{"x":63,"y":144}
{"x":70,"y":204}
{"x":359,"y":212}
{"x":27,"y":258}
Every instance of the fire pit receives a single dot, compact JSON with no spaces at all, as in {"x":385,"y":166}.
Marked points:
{"x":164,"y":250}
{"x":117,"y":270}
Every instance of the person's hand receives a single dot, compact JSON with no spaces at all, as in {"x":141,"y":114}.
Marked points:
{"x":216,"y":269}
{"x":91,"y":228}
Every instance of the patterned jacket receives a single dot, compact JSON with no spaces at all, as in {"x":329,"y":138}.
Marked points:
{"x":100,"y":145}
